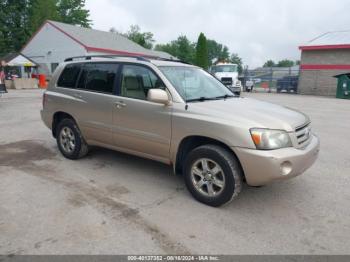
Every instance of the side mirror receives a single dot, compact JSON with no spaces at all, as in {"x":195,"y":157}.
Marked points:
{"x":158,"y":96}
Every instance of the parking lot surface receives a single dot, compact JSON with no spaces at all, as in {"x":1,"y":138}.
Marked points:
{"x":113,"y":203}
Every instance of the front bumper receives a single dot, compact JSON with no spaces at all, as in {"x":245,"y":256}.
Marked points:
{"x":235,"y":89}
{"x":262,"y":167}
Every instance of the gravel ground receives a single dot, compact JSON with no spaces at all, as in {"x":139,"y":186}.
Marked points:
{"x":113,"y":203}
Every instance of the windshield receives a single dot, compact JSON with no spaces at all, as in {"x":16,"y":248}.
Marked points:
{"x":224,"y":68}
{"x":195,"y":84}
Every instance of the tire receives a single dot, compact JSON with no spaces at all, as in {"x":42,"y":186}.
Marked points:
{"x":67,"y":131}
{"x":229,"y":176}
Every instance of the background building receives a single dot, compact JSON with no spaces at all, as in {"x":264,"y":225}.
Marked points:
{"x":18,"y":65}
{"x":19,"y":70}
{"x":55,"y":41}
{"x":321,"y":59}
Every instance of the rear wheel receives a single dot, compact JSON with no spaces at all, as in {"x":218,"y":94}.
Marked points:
{"x":70,"y":141}
{"x":213,"y":175}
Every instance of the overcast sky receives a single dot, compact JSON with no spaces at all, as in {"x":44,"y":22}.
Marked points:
{"x":257,"y":30}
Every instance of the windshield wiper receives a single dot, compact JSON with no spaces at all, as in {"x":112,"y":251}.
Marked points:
{"x":201,"y":99}
{"x":224,"y":97}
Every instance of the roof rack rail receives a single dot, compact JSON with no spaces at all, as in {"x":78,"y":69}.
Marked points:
{"x":89,"y":57}
{"x":172,"y":60}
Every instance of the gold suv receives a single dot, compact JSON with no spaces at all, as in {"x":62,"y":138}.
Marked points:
{"x":177,"y":114}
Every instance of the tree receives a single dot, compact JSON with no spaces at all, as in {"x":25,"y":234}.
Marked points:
{"x":113,"y":30}
{"x":19,"y":19}
{"x":144,"y":39}
{"x":285,"y":63}
{"x":168,"y":48}
{"x":202,"y":52}
{"x":225,"y":54}
{"x":269,"y":63}
{"x":217,"y":52}
{"x":73,"y":12}
{"x":181,"y":48}
{"x":281,"y":63}
{"x":40,"y":11}
{"x":13,"y":24}
{"x":66,"y":11}
{"x":235,"y":59}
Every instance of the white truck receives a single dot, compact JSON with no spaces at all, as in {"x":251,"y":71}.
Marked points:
{"x":228,"y":74}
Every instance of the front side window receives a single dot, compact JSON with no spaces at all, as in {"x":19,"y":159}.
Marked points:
{"x":98,"y":77}
{"x":69,"y":76}
{"x":193,"y":83}
{"x":137,"y":80}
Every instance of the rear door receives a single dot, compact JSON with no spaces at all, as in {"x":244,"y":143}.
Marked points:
{"x":141,"y":126}
{"x":92,"y":106}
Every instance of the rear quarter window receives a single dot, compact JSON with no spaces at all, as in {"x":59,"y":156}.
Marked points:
{"x":69,"y":76}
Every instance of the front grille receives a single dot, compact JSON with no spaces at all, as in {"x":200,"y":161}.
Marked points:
{"x":226,"y":80}
{"x":303,"y":134}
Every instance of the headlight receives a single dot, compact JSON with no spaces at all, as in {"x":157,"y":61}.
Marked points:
{"x":268,"y":139}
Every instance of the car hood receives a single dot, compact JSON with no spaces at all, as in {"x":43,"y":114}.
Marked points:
{"x":250,"y":113}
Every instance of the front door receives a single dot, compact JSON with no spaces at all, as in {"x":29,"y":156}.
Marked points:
{"x":141,"y":126}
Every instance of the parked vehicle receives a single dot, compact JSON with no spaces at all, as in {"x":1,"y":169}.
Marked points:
{"x":177,"y":114}
{"x":228,"y":74}
{"x":249,"y":85}
{"x":288,"y":84}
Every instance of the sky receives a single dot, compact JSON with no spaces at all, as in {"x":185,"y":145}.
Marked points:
{"x":257,"y":30}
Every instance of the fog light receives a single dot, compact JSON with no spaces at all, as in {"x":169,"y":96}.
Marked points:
{"x":286,"y":168}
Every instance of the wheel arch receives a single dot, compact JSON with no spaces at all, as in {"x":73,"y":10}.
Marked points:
{"x":57,"y":118}
{"x":189,"y":143}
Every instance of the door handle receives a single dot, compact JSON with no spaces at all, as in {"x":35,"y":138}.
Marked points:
{"x":120,"y":104}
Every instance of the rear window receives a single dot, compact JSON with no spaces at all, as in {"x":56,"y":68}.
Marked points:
{"x":69,"y":76}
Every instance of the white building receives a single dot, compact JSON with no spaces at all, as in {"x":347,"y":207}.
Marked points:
{"x":54,"y":42}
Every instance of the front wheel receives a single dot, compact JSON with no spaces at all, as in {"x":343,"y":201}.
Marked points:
{"x":213,"y":175}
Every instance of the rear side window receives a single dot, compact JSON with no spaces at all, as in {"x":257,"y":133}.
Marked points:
{"x":69,"y":76}
{"x":98,"y":77}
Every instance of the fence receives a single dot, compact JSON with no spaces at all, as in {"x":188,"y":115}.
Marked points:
{"x":273,"y":79}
